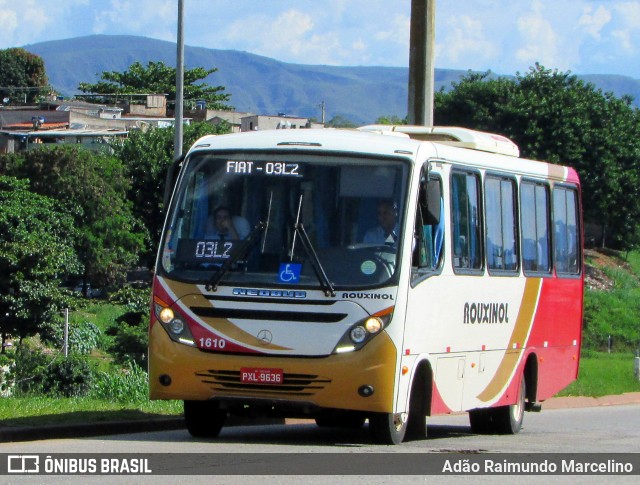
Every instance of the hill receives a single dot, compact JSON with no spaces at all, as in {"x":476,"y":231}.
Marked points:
{"x":260,"y":84}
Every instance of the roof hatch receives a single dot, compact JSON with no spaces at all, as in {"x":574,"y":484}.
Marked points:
{"x":451,"y":135}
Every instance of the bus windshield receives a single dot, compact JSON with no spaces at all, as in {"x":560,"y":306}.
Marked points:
{"x":305,"y":220}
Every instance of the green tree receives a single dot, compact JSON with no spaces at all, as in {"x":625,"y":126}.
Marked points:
{"x":554,"y":116}
{"x":92,"y":187}
{"x":340,"y":122}
{"x":22,"y":75}
{"x":157,"y":77}
{"x":36,"y":252}
{"x":146,"y":157}
{"x":391,"y":120}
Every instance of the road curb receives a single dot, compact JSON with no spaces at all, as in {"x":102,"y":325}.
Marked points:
{"x":83,"y":430}
{"x":585,"y":402}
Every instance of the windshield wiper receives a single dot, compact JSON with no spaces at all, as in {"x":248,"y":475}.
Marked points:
{"x":241,"y":252}
{"x":325,"y":283}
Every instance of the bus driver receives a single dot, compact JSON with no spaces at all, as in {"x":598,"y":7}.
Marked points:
{"x":221,"y":225}
{"x":387,"y":230}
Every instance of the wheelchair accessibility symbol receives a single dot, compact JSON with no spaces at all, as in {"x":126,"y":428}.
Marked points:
{"x":289,"y":272}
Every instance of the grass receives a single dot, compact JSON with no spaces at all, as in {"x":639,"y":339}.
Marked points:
{"x":41,"y":411}
{"x":101,"y":313}
{"x":603,"y":374}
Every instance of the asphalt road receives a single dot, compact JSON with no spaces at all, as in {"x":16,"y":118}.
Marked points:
{"x":600,"y":429}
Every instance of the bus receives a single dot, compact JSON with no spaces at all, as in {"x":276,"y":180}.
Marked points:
{"x":379,"y":275}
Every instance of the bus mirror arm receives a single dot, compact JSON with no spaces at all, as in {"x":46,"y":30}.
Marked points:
{"x":169,"y":182}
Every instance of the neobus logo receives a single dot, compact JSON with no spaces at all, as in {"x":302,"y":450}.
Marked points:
{"x":269,"y":293}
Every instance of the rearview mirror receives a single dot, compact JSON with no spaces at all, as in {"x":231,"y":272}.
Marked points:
{"x":431,"y":202}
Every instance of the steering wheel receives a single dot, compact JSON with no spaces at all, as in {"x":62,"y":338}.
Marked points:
{"x":381,"y":254}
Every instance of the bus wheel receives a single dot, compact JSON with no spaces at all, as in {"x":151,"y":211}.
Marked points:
{"x":500,"y":420}
{"x":204,"y":419}
{"x":480,"y":420}
{"x":343,"y":419}
{"x":509,"y":418}
{"x":388,"y":428}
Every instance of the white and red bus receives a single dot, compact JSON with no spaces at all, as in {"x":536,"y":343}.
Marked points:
{"x":384,"y":274}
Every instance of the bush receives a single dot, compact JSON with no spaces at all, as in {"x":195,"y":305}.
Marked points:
{"x":36,"y":373}
{"x":612,"y":314}
{"x":6,"y":383}
{"x":69,"y":377}
{"x":128,"y":384}
{"x":130,"y":331}
{"x":83,"y":336}
{"x":29,"y":370}
{"x":130,"y":338}
{"x":134,"y":299}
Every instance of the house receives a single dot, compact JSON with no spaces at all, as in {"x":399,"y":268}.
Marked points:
{"x":282,"y":121}
{"x":76,"y":121}
{"x":217,"y":116}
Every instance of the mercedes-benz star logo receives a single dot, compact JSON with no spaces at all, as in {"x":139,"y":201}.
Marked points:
{"x":265,"y":336}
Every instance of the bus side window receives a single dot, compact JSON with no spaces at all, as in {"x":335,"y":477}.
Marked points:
{"x":500,"y":207}
{"x":466,"y":222}
{"x":567,"y":237}
{"x":536,"y":237}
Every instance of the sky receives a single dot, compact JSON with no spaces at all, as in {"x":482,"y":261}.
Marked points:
{"x":504,"y":36}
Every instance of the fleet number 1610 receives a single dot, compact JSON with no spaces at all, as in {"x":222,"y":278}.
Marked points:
{"x":212,"y":343}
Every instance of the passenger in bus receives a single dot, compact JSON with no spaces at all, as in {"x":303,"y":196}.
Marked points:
{"x":221,"y":225}
{"x":387,"y":230}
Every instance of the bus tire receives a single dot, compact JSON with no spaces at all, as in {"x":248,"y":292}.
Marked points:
{"x":509,"y":418}
{"x":480,"y":420}
{"x":500,"y":420}
{"x":203,"y":419}
{"x":343,"y":420}
{"x":388,"y":428}
{"x":417,"y":421}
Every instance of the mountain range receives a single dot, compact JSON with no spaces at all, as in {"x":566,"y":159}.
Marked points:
{"x":262,"y":85}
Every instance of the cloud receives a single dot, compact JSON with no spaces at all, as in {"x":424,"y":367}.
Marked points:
{"x":291,"y":35}
{"x":397,"y":30}
{"x":629,"y":13}
{"x":37,"y":19}
{"x":629,"y":32}
{"x":465,"y":43}
{"x":149,"y":18}
{"x":538,"y":41}
{"x":594,"y":21}
{"x":9,"y":22}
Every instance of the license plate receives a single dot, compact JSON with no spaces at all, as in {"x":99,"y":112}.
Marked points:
{"x":252,"y":375}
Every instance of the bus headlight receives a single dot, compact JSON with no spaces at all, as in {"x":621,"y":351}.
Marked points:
{"x":363,"y":331}
{"x":174,"y":324}
{"x":165,"y":315}
{"x":358,"y":334}
{"x":373,"y":324}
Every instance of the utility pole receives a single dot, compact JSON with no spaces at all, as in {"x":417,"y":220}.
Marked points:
{"x":421,"y":62}
{"x":177,"y":142}
{"x":66,"y":333}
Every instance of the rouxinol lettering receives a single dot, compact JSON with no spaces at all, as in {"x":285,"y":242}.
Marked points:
{"x":370,"y":296}
{"x":486,"y":313}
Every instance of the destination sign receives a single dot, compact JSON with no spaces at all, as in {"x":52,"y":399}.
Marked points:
{"x":254,"y":167}
{"x":194,"y":251}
